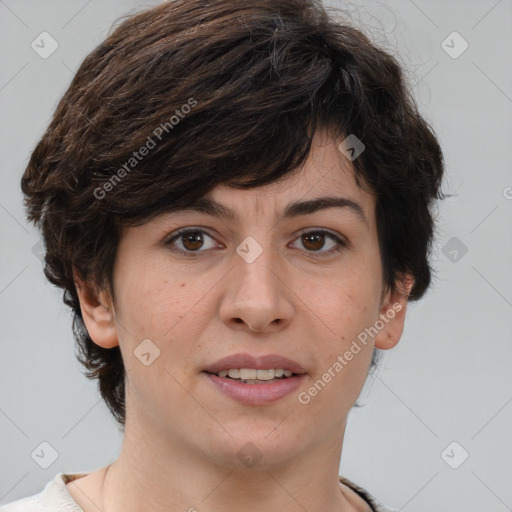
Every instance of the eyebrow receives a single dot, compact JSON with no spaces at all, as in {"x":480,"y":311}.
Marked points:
{"x":294,"y":209}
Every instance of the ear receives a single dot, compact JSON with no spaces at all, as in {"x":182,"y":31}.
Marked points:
{"x":97,"y":312}
{"x":392,"y":313}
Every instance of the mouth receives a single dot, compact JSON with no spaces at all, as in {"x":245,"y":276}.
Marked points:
{"x":264,"y":367}
{"x":256,"y":381}
{"x":255,"y":391}
{"x":254,"y":376}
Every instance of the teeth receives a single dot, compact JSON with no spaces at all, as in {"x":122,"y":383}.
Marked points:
{"x":251,"y":374}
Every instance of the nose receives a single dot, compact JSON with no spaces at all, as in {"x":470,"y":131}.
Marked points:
{"x":257,"y":298}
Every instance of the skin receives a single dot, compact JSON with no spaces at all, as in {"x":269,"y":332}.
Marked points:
{"x":182,"y":435}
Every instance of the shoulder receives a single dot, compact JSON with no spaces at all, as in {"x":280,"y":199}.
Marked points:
{"x":373,"y":502}
{"x":53,"y":498}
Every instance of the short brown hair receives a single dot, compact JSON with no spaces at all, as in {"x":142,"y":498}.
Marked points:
{"x":228,"y":92}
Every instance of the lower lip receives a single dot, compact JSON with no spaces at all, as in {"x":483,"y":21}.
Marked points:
{"x":257,"y":394}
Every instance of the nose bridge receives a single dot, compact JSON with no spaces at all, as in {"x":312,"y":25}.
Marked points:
{"x":256,"y":295}
{"x":255,"y":264}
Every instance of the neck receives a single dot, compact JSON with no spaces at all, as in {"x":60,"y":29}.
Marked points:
{"x":155,"y":471}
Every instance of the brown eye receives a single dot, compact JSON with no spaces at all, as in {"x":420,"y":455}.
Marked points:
{"x":315,"y":241}
{"x":190,"y":242}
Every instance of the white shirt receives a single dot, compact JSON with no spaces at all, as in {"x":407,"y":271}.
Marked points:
{"x":55,"y":497}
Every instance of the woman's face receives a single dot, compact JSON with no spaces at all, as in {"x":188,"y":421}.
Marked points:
{"x":305,"y":286}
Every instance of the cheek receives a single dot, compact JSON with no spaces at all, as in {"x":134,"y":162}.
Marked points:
{"x":150,"y":297}
{"x":165,"y":305}
{"x":348,"y":304}
{"x":345,"y":353}
{"x":347,"y":307}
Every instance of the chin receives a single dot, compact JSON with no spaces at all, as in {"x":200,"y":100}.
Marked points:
{"x":254,"y":447}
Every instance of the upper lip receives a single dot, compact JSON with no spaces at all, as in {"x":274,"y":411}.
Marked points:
{"x":265,"y":362}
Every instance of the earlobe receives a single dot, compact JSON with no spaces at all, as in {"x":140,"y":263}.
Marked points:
{"x":97,"y":312}
{"x":392,"y":314}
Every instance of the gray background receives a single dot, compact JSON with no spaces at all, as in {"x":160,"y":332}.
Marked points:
{"x":448,"y":380}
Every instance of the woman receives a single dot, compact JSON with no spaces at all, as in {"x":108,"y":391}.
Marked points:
{"x":236,"y":202}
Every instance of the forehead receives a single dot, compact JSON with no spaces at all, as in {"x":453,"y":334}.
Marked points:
{"x":326,"y":173}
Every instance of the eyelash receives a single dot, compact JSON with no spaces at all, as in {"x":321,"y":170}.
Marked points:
{"x":340,"y":244}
